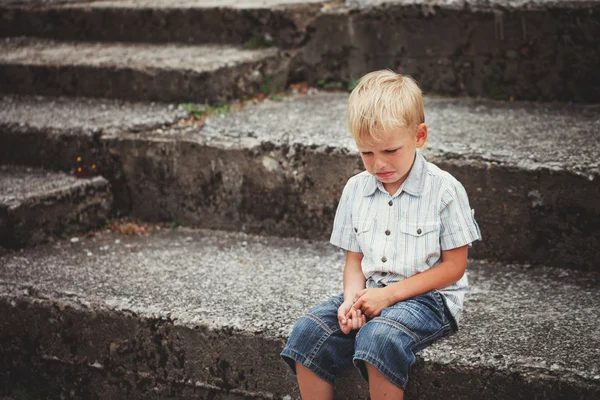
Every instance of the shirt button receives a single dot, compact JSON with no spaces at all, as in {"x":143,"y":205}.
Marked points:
{"x":387,"y":233}
{"x":419,"y":231}
{"x":355,"y":230}
{"x":383,"y":259}
{"x":391,"y":203}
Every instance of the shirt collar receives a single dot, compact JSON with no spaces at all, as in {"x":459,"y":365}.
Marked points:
{"x":413,"y":185}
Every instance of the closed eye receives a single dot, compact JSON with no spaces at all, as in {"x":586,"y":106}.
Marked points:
{"x":366,"y":153}
{"x":392,"y":151}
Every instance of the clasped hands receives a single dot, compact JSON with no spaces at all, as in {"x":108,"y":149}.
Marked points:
{"x":368,"y":303}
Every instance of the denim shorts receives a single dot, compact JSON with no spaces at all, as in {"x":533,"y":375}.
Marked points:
{"x":388,"y":342}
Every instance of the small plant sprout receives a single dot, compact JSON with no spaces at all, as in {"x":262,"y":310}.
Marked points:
{"x":268,"y":88}
{"x":207,"y":111}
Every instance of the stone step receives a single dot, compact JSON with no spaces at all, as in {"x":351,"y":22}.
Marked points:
{"x":204,"y":314}
{"x":253,"y":23}
{"x":278,"y":168}
{"x":53,"y":132}
{"x":170,"y":72}
{"x":37,"y":205}
{"x":527,"y":49}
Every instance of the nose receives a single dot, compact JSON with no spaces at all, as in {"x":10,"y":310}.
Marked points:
{"x":379,"y":163}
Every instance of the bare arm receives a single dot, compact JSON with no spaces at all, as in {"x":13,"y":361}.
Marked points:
{"x":354,"y":280}
{"x":450,"y":270}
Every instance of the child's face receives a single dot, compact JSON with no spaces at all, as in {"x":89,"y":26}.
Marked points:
{"x":391,"y":159}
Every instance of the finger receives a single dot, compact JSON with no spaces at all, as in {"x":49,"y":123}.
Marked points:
{"x":349,"y":313}
{"x":352,"y":309}
{"x":343,"y":314}
{"x":358,"y":305}
{"x":355,"y":321}
{"x":342,"y":319}
{"x":358,"y":322}
{"x":346,"y":328}
{"x":361,"y":321}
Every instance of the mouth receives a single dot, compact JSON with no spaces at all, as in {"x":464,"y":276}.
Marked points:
{"x":385,"y":175}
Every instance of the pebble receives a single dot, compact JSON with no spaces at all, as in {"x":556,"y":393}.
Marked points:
{"x":74,"y":240}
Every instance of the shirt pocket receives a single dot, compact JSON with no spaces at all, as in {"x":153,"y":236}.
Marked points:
{"x":419,"y":228}
{"x":363,"y":229}
{"x":419,"y":240}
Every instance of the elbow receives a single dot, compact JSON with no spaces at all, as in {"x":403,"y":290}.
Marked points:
{"x":458,"y":270}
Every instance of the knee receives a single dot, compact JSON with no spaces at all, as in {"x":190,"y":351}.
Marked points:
{"x":374,"y":332}
{"x":380,"y":338}
{"x":308,"y":326}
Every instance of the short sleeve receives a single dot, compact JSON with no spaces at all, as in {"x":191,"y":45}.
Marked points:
{"x":342,"y":234}
{"x":458,"y":225}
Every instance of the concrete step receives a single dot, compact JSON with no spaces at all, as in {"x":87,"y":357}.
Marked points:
{"x":36,"y":205}
{"x":278,"y":168}
{"x":530,"y":50}
{"x":211,"y":73}
{"x":526,"y":50}
{"x":204,"y":314}
{"x":52,"y":132}
{"x":254,"y":23}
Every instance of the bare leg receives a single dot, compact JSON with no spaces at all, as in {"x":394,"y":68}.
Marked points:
{"x":312,"y":386}
{"x":380,"y":387}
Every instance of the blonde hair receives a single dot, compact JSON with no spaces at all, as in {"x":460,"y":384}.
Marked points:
{"x":381,"y":102}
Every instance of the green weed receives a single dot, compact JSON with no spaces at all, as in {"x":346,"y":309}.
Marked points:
{"x":257,"y":41}
{"x":352,"y":83}
{"x":328,"y":85}
{"x":268,"y":88}
{"x":175,"y":224}
{"x":208,"y":110}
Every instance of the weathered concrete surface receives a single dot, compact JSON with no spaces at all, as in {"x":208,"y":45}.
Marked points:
{"x":525,"y":49}
{"x":254,"y":23}
{"x":500,"y":4}
{"x":139,"y":72}
{"x":544,"y":51}
{"x":235,"y":4}
{"x":37,"y":205}
{"x":531,"y":171}
{"x":51,"y":132}
{"x":279,"y":169}
{"x":184,"y":311}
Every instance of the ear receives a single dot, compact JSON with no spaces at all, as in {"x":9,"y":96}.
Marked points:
{"x":421,"y":134}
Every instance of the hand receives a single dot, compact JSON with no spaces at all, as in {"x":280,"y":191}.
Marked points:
{"x":349,"y":319}
{"x":371,"y":302}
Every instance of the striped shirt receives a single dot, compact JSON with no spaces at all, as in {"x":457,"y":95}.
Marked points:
{"x":404,"y":234}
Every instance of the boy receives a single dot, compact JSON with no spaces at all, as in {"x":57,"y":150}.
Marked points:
{"x":406,"y":226}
